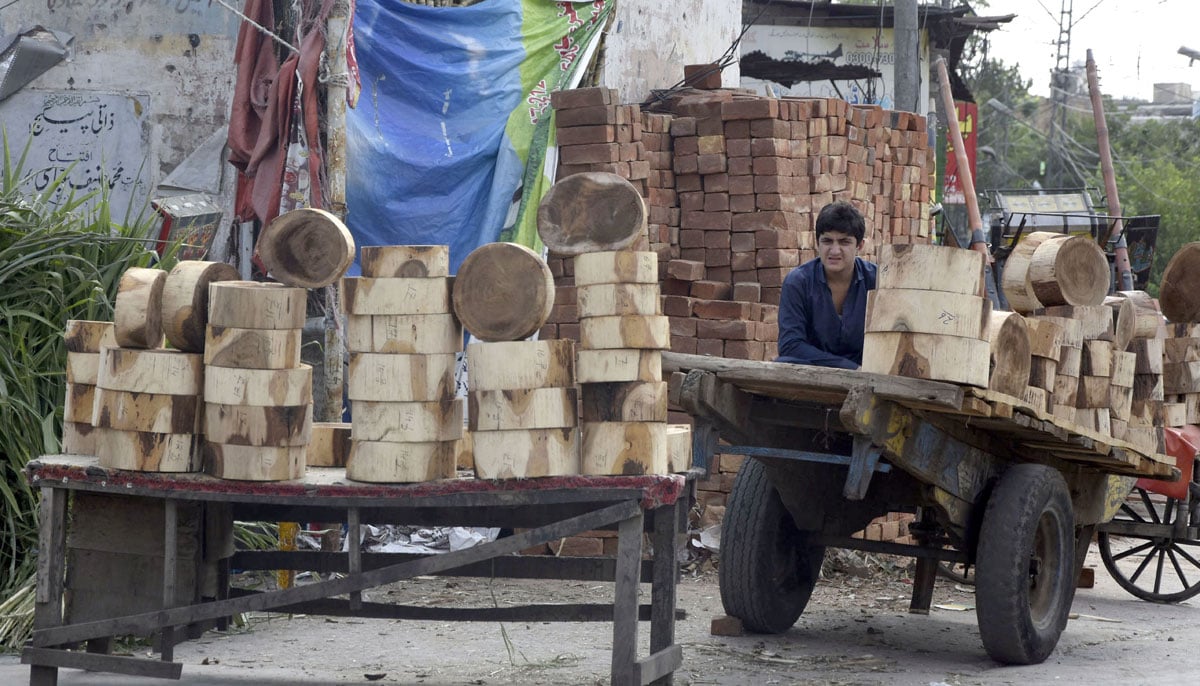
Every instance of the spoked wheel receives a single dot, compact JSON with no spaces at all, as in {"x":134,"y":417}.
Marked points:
{"x":1025,"y":567}
{"x":768,"y":568}
{"x":1145,"y":554}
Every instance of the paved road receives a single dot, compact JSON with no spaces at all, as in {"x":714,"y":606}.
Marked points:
{"x":856,"y":631}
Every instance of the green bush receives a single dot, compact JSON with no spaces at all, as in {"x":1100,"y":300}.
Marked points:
{"x":57,"y":262}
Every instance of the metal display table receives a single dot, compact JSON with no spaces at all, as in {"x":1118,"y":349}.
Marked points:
{"x":541,"y":509}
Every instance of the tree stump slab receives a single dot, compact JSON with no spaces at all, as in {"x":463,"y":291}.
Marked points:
{"x":255,"y":305}
{"x":526,"y":453}
{"x":185,"y":301}
{"x":590,"y":212}
{"x":306,"y":248}
{"x":405,"y":261}
{"x":503,"y":292}
{"x":137,"y":313}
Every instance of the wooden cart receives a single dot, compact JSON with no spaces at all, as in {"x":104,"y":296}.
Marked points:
{"x":549,"y":508}
{"x":993,"y":482}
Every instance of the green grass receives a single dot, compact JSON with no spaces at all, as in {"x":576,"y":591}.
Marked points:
{"x":57,"y":262}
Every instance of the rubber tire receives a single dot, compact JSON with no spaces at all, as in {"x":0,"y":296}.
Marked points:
{"x":1028,"y":514}
{"x":767,"y":569}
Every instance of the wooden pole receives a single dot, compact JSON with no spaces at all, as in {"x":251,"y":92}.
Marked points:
{"x":335,"y":160}
{"x":974,"y":220}
{"x":1124,"y":270}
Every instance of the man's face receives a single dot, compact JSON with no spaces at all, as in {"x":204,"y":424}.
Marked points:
{"x":837,"y":251}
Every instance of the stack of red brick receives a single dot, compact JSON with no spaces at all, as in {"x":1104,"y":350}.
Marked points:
{"x":732,"y":184}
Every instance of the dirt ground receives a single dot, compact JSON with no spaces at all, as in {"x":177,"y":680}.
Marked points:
{"x":856,"y":630}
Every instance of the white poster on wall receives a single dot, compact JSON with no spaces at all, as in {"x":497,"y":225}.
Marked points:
{"x":838,"y":47}
{"x":92,"y":141}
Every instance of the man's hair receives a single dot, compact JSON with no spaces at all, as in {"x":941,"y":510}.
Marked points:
{"x":844,"y":217}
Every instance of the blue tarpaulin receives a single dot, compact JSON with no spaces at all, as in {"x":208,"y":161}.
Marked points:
{"x":454,"y":108}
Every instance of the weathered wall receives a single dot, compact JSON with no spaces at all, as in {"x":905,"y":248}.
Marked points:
{"x":174,"y":56}
{"x":651,"y":40}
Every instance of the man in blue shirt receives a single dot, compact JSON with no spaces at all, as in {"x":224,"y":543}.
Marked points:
{"x":823,"y":304}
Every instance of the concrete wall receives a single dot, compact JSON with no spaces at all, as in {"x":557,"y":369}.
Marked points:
{"x":650,"y":41}
{"x":176,"y":56}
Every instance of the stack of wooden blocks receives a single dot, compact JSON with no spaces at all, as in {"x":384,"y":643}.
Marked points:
{"x":623,"y":333}
{"x":523,"y":409}
{"x":84,"y":339}
{"x":928,"y":316}
{"x":403,"y":338}
{"x":147,"y":397}
{"x":1181,"y":375}
{"x":257,"y":394}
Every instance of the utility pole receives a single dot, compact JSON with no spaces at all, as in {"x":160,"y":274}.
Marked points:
{"x":1060,"y":80}
{"x":908,"y":62}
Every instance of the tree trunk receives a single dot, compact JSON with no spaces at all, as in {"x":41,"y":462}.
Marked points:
{"x":137,"y":314}
{"x":306,"y":248}
{"x":185,"y":301}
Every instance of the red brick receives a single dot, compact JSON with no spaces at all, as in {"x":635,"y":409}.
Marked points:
{"x":765,"y":239}
{"x":715,"y":257}
{"x":774,"y":257}
{"x":777,"y":202}
{"x":773,"y":276}
{"x":726,"y":330}
{"x":579,"y":135}
{"x":683,"y":326}
{"x":548,"y":332}
{"x":688,"y":182}
{"x":692,"y":254}
{"x":685,"y":164}
{"x":716,"y":202}
{"x":564,"y":313}
{"x":569,"y":330}
{"x":683,"y":126}
{"x":711,"y":498}
{"x":589,"y":154}
{"x":687,"y":145}
{"x":770,"y":128}
{"x":674,"y":287}
{"x":737,"y":147}
{"x":638,"y":170}
{"x":770,"y":295}
{"x":683,"y":345}
{"x":705,"y":77}
{"x":630,"y":152}
{"x":741,"y":203}
{"x":741,"y":242}
{"x":755,"y":108}
{"x":710,"y":164}
{"x":742,"y":261}
{"x":677,"y":306}
{"x":772,"y":166}
{"x":739,"y":130}
{"x":588,"y":116}
{"x":726,"y":625}
{"x":720,"y":273}
{"x":766,"y":331}
{"x":759,"y":221}
{"x":690,"y":238}
{"x":686,"y":270}
{"x":716,"y":183}
{"x":711,"y":290}
{"x":710,"y":145}
{"x":745,"y":350}
{"x":720,"y":309}
{"x":709,"y":126}
{"x":714,"y":347}
{"x":709,"y":221}
{"x":691,"y":201}
{"x":582,"y":97}
{"x":747,"y":291}
{"x":717,"y":240}
{"x":740,"y":166}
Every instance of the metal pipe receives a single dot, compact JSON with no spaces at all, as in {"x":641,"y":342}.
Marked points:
{"x":1124,"y":270}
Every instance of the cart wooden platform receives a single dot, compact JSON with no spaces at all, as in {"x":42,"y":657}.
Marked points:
{"x":547,"y":509}
{"x":994,"y":483}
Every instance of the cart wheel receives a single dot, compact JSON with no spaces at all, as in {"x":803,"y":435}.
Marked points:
{"x":1152,"y":564}
{"x":768,"y":569}
{"x":1024,"y":573}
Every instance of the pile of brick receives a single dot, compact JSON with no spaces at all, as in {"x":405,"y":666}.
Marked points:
{"x":732,"y":184}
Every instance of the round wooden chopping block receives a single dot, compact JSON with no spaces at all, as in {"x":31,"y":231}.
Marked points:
{"x":526,"y":453}
{"x":384,"y":462}
{"x":165,"y":371}
{"x":1179,"y":294}
{"x":254,"y":462}
{"x":276,"y":425}
{"x":1018,"y":290}
{"x":137,"y":314}
{"x":142,"y":451}
{"x":591,"y":211}
{"x":624,"y":448}
{"x":255,"y":305}
{"x":503,"y":292}
{"x":329,"y":445}
{"x":1008,"y":337}
{"x":259,"y":387}
{"x":1146,"y":314}
{"x":307,"y":248}
{"x":185,"y":301}
{"x":252,"y":348}
{"x":931,"y":268}
{"x":1069,"y":271}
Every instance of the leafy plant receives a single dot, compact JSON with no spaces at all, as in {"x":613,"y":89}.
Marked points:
{"x":58,"y":261}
